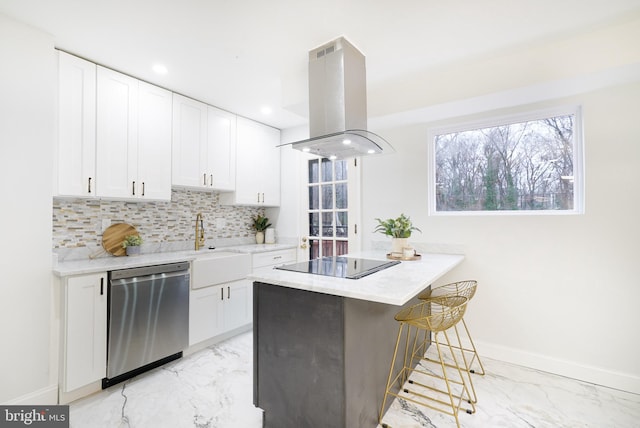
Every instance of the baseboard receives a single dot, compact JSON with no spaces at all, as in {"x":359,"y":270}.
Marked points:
{"x":83,"y":391}
{"x":217,"y":339}
{"x":583,"y":372}
{"x":44,"y":396}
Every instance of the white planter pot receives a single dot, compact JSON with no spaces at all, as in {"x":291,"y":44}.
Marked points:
{"x":259,"y":237}
{"x":397,"y":244}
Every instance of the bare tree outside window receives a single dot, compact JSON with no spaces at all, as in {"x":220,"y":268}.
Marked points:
{"x":523,"y":166}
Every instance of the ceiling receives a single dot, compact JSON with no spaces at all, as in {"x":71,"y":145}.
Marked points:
{"x":244,"y":55}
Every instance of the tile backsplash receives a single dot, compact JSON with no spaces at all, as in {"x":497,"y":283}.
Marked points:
{"x":164,"y":226}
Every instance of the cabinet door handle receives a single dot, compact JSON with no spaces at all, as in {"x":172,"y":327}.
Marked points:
{"x":101,"y":286}
{"x":258,"y":197}
{"x":228,"y":292}
{"x":221,"y":293}
{"x":263,"y":198}
{"x":204,"y":179}
{"x":211,"y":182}
{"x":89,"y":187}
{"x":143,"y":188}
{"x":133,"y":188}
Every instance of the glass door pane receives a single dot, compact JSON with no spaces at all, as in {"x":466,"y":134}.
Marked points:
{"x":328,"y":207}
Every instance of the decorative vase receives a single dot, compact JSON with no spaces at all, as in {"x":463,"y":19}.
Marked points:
{"x":133,"y":250}
{"x":397,"y":246}
{"x":270,"y":236}
{"x":260,"y":237}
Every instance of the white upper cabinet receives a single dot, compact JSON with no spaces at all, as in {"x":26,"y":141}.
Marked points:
{"x":204,"y":146}
{"x":120,"y":138}
{"x":221,"y":149}
{"x":133,"y":121}
{"x":189,"y":142}
{"x":257,"y":165}
{"x":154,"y":142}
{"x":117,"y":134}
{"x":76,"y":143}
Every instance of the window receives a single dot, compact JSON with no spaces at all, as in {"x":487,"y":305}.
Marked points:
{"x":328,"y":208}
{"x":531,"y":163}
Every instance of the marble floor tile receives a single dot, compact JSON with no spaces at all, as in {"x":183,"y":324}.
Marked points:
{"x":213,"y":389}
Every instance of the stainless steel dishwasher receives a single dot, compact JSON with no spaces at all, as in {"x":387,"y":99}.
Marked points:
{"x":148,"y":319}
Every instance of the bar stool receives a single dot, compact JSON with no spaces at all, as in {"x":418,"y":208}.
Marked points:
{"x":461,"y":288}
{"x":466,"y":289}
{"x":421,"y":325}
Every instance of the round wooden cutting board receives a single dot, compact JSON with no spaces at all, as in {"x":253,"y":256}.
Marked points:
{"x":114,"y":235}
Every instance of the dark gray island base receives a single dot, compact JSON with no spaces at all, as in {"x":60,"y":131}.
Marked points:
{"x":320,"y":360}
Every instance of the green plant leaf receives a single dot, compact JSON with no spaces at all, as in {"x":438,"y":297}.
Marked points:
{"x":400,"y":227}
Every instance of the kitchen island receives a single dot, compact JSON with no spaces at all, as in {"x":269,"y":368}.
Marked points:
{"x":322,"y":345}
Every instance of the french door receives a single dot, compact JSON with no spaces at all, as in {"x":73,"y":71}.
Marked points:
{"x":331,"y":207}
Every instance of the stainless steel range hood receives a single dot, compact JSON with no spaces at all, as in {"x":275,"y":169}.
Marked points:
{"x":338,"y":104}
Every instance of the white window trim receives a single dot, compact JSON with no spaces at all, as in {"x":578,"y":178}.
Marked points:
{"x":578,"y":156}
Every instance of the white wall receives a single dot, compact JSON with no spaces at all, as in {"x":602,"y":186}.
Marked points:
{"x":27,"y":88}
{"x":559,"y":293}
{"x":286,"y":218}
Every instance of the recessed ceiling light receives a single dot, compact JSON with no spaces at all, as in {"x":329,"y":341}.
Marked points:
{"x":371,"y":151}
{"x":160,"y":69}
{"x":266,"y":110}
{"x":306,"y":149}
{"x":333,"y":157}
{"x":346,"y":141}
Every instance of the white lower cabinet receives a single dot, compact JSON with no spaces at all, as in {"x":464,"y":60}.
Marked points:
{"x":221,"y":296}
{"x":273,"y":258}
{"x":218,"y":309}
{"x":238,"y":304}
{"x":84,"y":347}
{"x":205,"y":314}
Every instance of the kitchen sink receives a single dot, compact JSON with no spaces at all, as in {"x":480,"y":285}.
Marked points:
{"x":219,"y":267}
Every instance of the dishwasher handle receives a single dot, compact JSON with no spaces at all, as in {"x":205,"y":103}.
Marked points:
{"x":180,"y":267}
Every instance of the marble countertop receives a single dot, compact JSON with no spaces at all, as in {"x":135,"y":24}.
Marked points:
{"x":103,"y":264}
{"x":395,"y":285}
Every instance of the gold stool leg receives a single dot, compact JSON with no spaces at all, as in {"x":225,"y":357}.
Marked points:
{"x":389,"y":381}
{"x":474,"y":351}
{"x":431,"y":326}
{"x":466,"y":367}
{"x":453,"y":402}
{"x":464,"y":351}
{"x":459,"y":369}
{"x":454,"y":409}
{"x":408,"y":357}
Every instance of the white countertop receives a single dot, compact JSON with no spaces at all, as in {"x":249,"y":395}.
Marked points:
{"x":395,"y":285}
{"x":103,"y":264}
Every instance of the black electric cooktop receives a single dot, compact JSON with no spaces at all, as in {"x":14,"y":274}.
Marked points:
{"x":340,"y":267}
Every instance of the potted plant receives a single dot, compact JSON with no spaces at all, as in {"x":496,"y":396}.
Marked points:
{"x":260,"y":223}
{"x":399,"y":229}
{"x":132,"y":244}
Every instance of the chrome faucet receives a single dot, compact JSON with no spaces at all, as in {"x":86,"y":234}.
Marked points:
{"x":199,"y":232}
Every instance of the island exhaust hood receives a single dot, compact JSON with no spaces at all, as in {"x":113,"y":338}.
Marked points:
{"x":338,"y":104}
